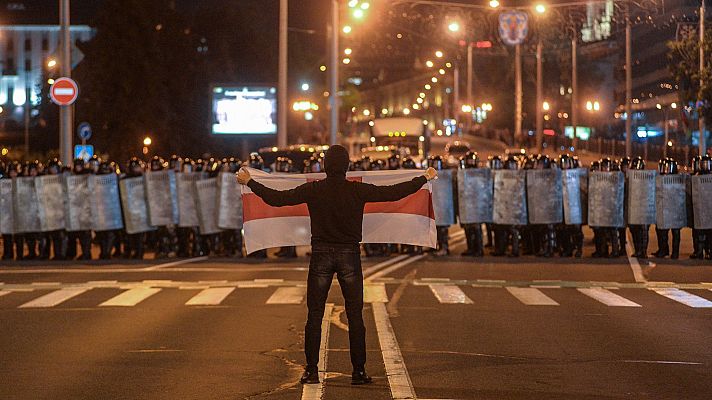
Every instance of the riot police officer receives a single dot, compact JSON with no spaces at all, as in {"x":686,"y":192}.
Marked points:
{"x":55,"y":241}
{"x":570,"y":239}
{"x":493,"y":163}
{"x":438,"y":163}
{"x":83,"y":237}
{"x":547,"y":233}
{"x":8,"y":252}
{"x":667,"y":166}
{"x":624,"y":165}
{"x":639,"y":233}
{"x":705,"y":236}
{"x":505,"y":235}
{"x":163,"y":235}
{"x":231,"y":239}
{"x":605,"y":236}
{"x":12,"y":247}
{"x":312,"y":165}
{"x":93,"y":164}
{"x":29,"y":169}
{"x":393,"y":162}
{"x":134,"y":247}
{"x":473,"y":232}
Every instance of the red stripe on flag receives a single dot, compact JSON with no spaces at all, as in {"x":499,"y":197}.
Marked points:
{"x":418,"y":203}
{"x":253,"y":207}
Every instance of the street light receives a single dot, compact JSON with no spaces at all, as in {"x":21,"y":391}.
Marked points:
{"x":51,"y":63}
{"x":429,"y":64}
{"x":346,"y":60}
{"x":439,"y":54}
{"x":545,"y":106}
{"x":305,"y":87}
{"x":540,"y":8}
{"x":147,"y":141}
{"x":494,"y":3}
{"x":358,"y":13}
{"x":434,"y":80}
{"x":346,"y":29}
{"x":453,"y":26}
{"x":348,"y":51}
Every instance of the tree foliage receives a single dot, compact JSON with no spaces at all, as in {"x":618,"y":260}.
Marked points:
{"x":684,"y":57}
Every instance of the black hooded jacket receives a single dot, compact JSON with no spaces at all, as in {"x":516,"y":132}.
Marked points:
{"x":335,"y":204}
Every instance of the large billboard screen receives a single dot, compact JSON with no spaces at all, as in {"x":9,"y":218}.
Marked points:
{"x":244,"y":110}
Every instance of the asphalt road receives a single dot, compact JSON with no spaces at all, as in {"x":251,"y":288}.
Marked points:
{"x":437,"y":328}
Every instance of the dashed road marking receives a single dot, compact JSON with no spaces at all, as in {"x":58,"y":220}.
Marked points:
{"x":398,"y":378}
{"x":287,"y":295}
{"x":607,"y":297}
{"x":210,"y":297}
{"x":174,"y":263}
{"x":4,"y":292}
{"x":684,"y":297}
{"x":375,"y":293}
{"x":54,"y":298}
{"x":130,"y":297}
{"x":532,"y":296}
{"x":395,"y":267}
{"x":450,"y":294}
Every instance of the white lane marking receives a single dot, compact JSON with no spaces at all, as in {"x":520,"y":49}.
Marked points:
{"x":314,"y":391}
{"x":287,"y":295}
{"x":395,"y":267}
{"x":130,"y":297}
{"x":633,"y":261}
{"x":683,"y":297}
{"x":238,"y":268}
{"x":54,"y":298}
{"x":210,"y":297}
{"x":449,"y":294}
{"x":174,"y":263}
{"x":398,"y":378}
{"x":384,"y":264}
{"x":607,"y":297}
{"x":532,"y":296}
{"x":4,"y":292}
{"x":662,"y":362}
{"x":375,"y":293}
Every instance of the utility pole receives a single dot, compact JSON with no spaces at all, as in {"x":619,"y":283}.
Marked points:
{"x":701,"y":118}
{"x":456,"y":106}
{"x":539,"y":98}
{"x":628,"y":88}
{"x":517,"y":92}
{"x":65,"y":67}
{"x":470,"y":72}
{"x":334,"y":74}
{"x":574,"y":89}
{"x":27,"y":113}
{"x":283,"y":87}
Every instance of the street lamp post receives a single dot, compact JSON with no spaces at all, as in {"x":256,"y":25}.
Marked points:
{"x":282,"y":84}
{"x":518,"y":92}
{"x":65,"y":65}
{"x":539,"y":97}
{"x":628,"y":87}
{"x":701,"y":118}
{"x":334,"y":73}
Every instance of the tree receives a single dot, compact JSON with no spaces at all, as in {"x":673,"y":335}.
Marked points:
{"x":684,"y":57}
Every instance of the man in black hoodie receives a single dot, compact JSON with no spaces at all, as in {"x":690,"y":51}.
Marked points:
{"x":336,"y":211}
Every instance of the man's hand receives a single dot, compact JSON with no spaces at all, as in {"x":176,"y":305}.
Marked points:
{"x":431,"y":173}
{"x":243,"y":176}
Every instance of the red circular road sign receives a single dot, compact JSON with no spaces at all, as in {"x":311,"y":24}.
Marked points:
{"x":64,"y":91}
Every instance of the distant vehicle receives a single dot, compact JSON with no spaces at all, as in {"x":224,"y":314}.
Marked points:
{"x":400,"y":132}
{"x":455,"y":150}
{"x":383,"y":152}
{"x":297,"y":153}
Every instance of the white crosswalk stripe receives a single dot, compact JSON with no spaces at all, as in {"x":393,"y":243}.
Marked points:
{"x":532,"y":296}
{"x":54,"y":298}
{"x":4,"y":292}
{"x":607,"y":297}
{"x":683,"y":297}
{"x":130,"y":297}
{"x":375,"y":293}
{"x":449,"y":294}
{"x":210,"y":297}
{"x":287,"y":295}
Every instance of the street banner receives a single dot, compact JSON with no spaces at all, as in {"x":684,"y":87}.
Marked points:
{"x":409,"y":221}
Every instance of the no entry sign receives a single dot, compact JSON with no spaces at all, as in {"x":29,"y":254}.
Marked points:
{"x":64,"y":91}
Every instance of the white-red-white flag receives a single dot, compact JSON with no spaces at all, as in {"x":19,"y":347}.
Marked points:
{"x":409,"y":221}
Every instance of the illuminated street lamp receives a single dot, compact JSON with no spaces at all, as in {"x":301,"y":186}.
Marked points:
{"x":494,"y":3}
{"x":358,"y":13}
{"x":429,"y":64}
{"x":439,"y":54}
{"x":51,"y":63}
{"x":540,"y":8}
{"x":305,"y":87}
{"x":346,"y":60}
{"x":466,"y":108}
{"x":346,"y":29}
{"x":406,"y":111}
{"x":545,"y":106}
{"x":146,"y":143}
{"x":348,"y":51}
{"x":453,"y":26}
{"x":434,"y":80}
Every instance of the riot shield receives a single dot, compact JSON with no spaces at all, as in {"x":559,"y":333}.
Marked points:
{"x":229,"y":202}
{"x":670,"y":201}
{"x":104,"y":202}
{"x":7,"y":222}
{"x":640,"y":203}
{"x":510,"y":198}
{"x":185,"y":195}
{"x":206,"y":192}
{"x":701,"y":195}
{"x":133,"y":202}
{"x":50,"y":201}
{"x":605,"y":199}
{"x":544,"y":196}
{"x":474,"y":193}
{"x":77,"y":204}
{"x":443,"y":203}
{"x":573,"y":196}
{"x":160,"y":197}
{"x":26,"y":207}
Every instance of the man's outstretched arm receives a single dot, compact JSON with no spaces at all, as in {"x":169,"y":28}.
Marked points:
{"x":372,"y":193}
{"x":275,"y":198}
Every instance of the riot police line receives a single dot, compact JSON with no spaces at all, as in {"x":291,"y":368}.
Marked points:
{"x":181,"y":207}
{"x":536,"y":205}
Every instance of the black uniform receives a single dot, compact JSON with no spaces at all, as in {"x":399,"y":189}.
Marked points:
{"x":639,"y":233}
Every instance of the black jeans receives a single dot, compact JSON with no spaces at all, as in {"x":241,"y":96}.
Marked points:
{"x":345,"y":261}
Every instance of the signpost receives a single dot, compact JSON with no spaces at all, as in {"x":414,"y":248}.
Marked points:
{"x":85,"y":152}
